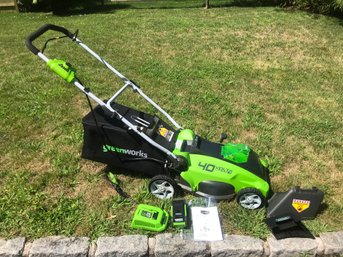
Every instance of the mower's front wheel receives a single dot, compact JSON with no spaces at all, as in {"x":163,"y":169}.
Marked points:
{"x":163,"y":187}
{"x":250,"y":198}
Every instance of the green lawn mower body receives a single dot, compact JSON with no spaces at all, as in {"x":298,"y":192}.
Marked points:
{"x":174,"y":157}
{"x":220,"y":170}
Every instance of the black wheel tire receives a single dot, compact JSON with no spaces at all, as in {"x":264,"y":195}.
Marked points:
{"x":250,"y":198}
{"x":162,"y":187}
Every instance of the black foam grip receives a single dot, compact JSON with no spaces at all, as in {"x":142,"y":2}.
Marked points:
{"x":41,"y":31}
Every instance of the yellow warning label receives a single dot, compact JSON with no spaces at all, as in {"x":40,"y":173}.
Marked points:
{"x":300,"y":205}
{"x":163,"y":132}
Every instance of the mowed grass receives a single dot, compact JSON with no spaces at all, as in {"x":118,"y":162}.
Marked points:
{"x":269,"y":78}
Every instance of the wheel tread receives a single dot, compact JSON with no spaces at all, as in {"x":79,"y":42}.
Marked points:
{"x":254,"y":191}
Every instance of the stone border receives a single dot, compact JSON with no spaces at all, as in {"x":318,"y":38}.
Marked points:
{"x":327,"y":244}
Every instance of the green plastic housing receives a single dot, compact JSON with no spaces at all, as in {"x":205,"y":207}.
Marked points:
{"x":62,"y":69}
{"x":206,"y":168}
{"x":150,"y":218}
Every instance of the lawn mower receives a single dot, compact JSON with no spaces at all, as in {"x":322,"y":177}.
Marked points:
{"x":173,"y":157}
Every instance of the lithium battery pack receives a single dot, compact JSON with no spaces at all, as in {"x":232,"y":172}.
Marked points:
{"x":151,"y":218}
{"x":179,"y":213}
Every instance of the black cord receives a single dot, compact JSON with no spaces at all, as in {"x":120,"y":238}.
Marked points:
{"x":50,"y":39}
{"x":54,"y":38}
{"x":93,"y":113}
{"x":101,"y":131}
{"x":115,"y":186}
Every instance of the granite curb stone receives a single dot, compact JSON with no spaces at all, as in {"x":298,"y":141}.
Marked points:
{"x":235,"y":245}
{"x":175,"y":246}
{"x":328,"y":244}
{"x":92,"y":249}
{"x":27,"y":249}
{"x":151,"y":243}
{"x":12,"y":247}
{"x":292,"y":247}
{"x":332,"y":243}
{"x":122,"y":246}
{"x":58,"y":246}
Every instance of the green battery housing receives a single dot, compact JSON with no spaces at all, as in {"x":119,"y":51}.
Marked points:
{"x":151,"y":218}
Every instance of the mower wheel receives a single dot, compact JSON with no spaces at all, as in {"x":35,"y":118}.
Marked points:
{"x":250,"y":198}
{"x":163,"y":187}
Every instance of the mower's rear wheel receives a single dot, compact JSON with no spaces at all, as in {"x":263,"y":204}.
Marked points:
{"x":250,"y":198}
{"x":163,"y":187}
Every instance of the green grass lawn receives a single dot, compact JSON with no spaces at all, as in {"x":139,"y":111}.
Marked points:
{"x":269,"y":78}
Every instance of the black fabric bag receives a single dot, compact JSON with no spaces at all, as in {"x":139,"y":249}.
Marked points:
{"x":109,"y":141}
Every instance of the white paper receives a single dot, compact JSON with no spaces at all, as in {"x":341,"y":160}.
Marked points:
{"x":206,"y":224}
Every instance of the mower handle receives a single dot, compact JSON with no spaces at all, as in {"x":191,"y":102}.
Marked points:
{"x":41,"y":31}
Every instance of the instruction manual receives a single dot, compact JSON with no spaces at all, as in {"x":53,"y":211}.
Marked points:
{"x":206,"y":224}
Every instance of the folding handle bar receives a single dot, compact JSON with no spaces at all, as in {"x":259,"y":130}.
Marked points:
{"x":106,"y":105}
{"x":41,"y":31}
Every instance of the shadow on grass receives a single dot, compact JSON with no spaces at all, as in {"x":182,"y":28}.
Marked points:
{"x":323,"y":207}
{"x":185,"y":4}
{"x":248,"y":3}
{"x":171,"y":4}
{"x":313,"y":13}
{"x":109,"y":8}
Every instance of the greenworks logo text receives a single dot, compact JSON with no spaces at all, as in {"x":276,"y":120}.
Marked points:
{"x":140,"y":153}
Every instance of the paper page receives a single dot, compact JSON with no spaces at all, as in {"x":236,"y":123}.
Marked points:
{"x":206,"y":224}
